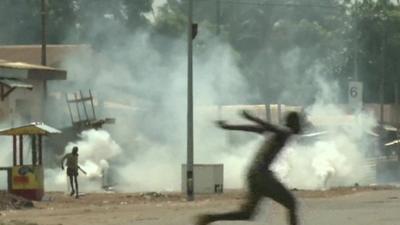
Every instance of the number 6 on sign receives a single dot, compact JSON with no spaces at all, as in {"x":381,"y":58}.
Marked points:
{"x":355,"y":93}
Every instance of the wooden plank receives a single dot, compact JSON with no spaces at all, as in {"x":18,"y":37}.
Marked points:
{"x":69,"y":108}
{"x":84,"y":106}
{"x":91,"y":101}
{"x":77,"y":107}
{"x":79,"y":100}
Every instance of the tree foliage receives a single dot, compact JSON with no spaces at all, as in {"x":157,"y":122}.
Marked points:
{"x":284,"y":39}
{"x":70,"y":20}
{"x":20,"y":21}
{"x":347,"y":39}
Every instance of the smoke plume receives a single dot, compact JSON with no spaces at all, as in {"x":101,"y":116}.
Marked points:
{"x":141,"y":80}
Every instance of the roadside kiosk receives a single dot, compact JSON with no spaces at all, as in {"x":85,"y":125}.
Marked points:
{"x":26,"y":179}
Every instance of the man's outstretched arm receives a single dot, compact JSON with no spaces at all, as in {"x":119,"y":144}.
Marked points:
{"x":245,"y":114}
{"x":249,"y":128}
{"x":266,"y":126}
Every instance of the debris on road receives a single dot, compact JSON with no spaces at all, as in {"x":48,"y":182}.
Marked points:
{"x":9,"y":201}
{"x":153,"y":195}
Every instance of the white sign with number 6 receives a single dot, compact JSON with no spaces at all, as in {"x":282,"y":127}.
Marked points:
{"x":355,"y":93}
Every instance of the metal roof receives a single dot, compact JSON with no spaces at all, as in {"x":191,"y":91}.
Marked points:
{"x":21,"y":65}
{"x":20,"y":70}
{"x":15,"y":83}
{"x":30,"y":129}
{"x":56,"y":54}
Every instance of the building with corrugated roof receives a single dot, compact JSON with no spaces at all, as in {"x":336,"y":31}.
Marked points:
{"x":56,"y":54}
{"x":23,"y":81}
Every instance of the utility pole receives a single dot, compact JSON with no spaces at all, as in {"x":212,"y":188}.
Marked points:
{"x":396,"y":92}
{"x":218,"y":31}
{"x":44,"y":42}
{"x":397,"y":124}
{"x":382,"y":86}
{"x":382,"y":83}
{"x":189,"y":164}
{"x":356,"y":78}
{"x":44,"y":31}
{"x":383,"y":75}
{"x":396,"y":101}
{"x":218,"y":16}
{"x":355,"y":86}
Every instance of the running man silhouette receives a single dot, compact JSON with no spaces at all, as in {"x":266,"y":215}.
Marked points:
{"x":261,"y":181}
{"x":72,"y":170}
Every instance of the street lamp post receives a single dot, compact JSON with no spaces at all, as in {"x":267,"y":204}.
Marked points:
{"x":218,"y":31}
{"x":189,"y":167}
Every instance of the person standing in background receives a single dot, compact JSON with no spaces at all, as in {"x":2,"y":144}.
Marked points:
{"x":72,"y":170}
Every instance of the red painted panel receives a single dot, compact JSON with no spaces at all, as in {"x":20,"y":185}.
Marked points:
{"x":31,"y":194}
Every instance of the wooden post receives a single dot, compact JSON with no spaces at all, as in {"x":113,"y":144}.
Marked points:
{"x":34,"y":150}
{"x":40,"y":150}
{"x":9,"y":179}
{"x":2,"y":92}
{"x":14,"y":150}
{"x":21,"y":147}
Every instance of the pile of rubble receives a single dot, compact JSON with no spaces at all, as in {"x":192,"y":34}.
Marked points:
{"x":9,"y":201}
{"x":153,"y":195}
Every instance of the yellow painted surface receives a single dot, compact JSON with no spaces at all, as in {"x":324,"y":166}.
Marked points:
{"x":27,"y":177}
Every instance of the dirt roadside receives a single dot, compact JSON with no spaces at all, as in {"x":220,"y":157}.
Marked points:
{"x":141,"y":208}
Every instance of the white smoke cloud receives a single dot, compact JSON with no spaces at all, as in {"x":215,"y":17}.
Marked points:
{"x":142,"y":83}
{"x":150,"y":85}
{"x":337,"y":158}
{"x":152,"y":129}
{"x":96,"y":147}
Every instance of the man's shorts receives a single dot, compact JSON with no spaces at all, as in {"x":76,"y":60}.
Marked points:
{"x":72,"y":172}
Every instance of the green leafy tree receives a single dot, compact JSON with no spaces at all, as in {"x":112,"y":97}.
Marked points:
{"x":20,"y":21}
{"x":99,"y":21}
{"x":170,"y":23}
{"x":61,"y":21}
{"x":340,"y":35}
{"x":135,"y":11}
{"x":375,"y":36}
